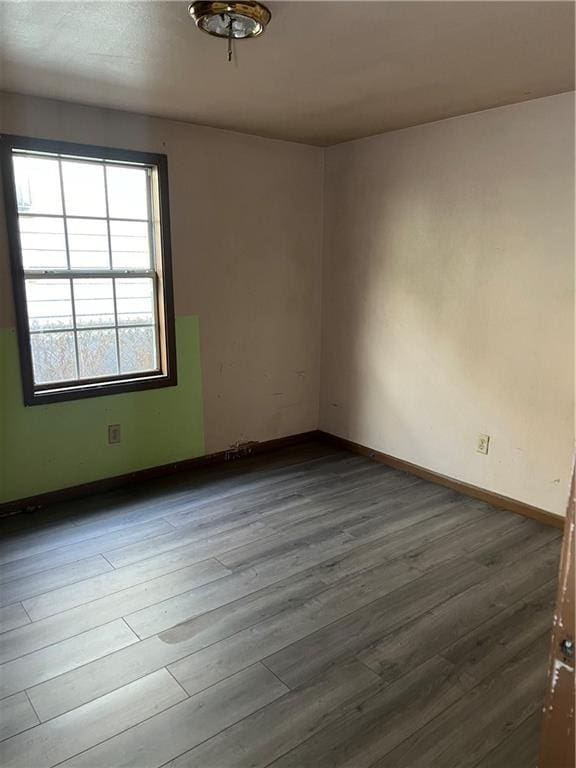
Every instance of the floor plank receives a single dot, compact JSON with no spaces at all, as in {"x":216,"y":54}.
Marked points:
{"x":81,"y":685}
{"x":519,"y":749}
{"x":54,"y":660}
{"x":395,"y":653}
{"x":161,"y":738}
{"x":13,"y":617}
{"x":260,"y":738}
{"x":61,"y":626}
{"x":484,"y":649}
{"x":209,"y":546}
{"x":501,"y":539}
{"x":50,"y":743}
{"x":19,"y":590}
{"x":115,"y":580}
{"x":16,"y":715}
{"x":484,"y":717}
{"x":366,"y":625}
{"x":213,"y":663}
{"x":304,"y":608}
{"x":26,"y":565}
{"x":380,"y":721}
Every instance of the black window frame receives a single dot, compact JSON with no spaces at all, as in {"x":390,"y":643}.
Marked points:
{"x":163,"y":265}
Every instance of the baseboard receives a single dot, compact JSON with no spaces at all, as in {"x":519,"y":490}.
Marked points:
{"x":98,"y":486}
{"x":495,"y":499}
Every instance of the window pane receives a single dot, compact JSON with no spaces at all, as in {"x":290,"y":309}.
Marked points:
{"x":88,"y":243}
{"x":84,"y":188}
{"x":135,"y":300}
{"x":130,"y":245}
{"x":49,"y":304}
{"x":137,"y":349}
{"x":97,"y":353}
{"x":43,"y":243}
{"x":127,"y":192}
{"x":37,"y":184}
{"x":53,"y":357}
{"x":93,"y":302}
{"x":89,"y":266}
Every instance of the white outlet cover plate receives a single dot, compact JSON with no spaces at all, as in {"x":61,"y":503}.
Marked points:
{"x":483,"y":444}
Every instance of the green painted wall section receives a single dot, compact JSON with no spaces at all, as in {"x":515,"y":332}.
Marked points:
{"x":49,"y":447}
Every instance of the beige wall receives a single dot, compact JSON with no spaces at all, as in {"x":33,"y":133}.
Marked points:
{"x":447,"y":291}
{"x":246,"y":241}
{"x":448,"y":297}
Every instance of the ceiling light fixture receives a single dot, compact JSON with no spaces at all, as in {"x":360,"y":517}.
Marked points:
{"x":232,"y":20}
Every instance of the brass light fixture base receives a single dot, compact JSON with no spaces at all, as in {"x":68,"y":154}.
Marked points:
{"x":232,"y":20}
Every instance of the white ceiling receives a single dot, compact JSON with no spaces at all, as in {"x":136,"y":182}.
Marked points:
{"x":322,"y":73}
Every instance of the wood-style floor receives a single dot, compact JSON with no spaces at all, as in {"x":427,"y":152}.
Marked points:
{"x":309,"y":608}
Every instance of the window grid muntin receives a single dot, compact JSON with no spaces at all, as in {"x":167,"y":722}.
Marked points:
{"x":71,"y":282}
{"x":113,"y":274}
{"x":114,"y":294}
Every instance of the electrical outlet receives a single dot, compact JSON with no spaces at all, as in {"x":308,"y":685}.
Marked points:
{"x":113,"y":434}
{"x":483,"y":444}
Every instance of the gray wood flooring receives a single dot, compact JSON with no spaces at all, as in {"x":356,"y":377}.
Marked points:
{"x":309,"y":608}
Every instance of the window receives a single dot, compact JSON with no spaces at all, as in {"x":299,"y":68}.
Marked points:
{"x":90,"y":249}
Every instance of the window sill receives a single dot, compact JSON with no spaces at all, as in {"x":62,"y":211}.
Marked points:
{"x":99,"y":389}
